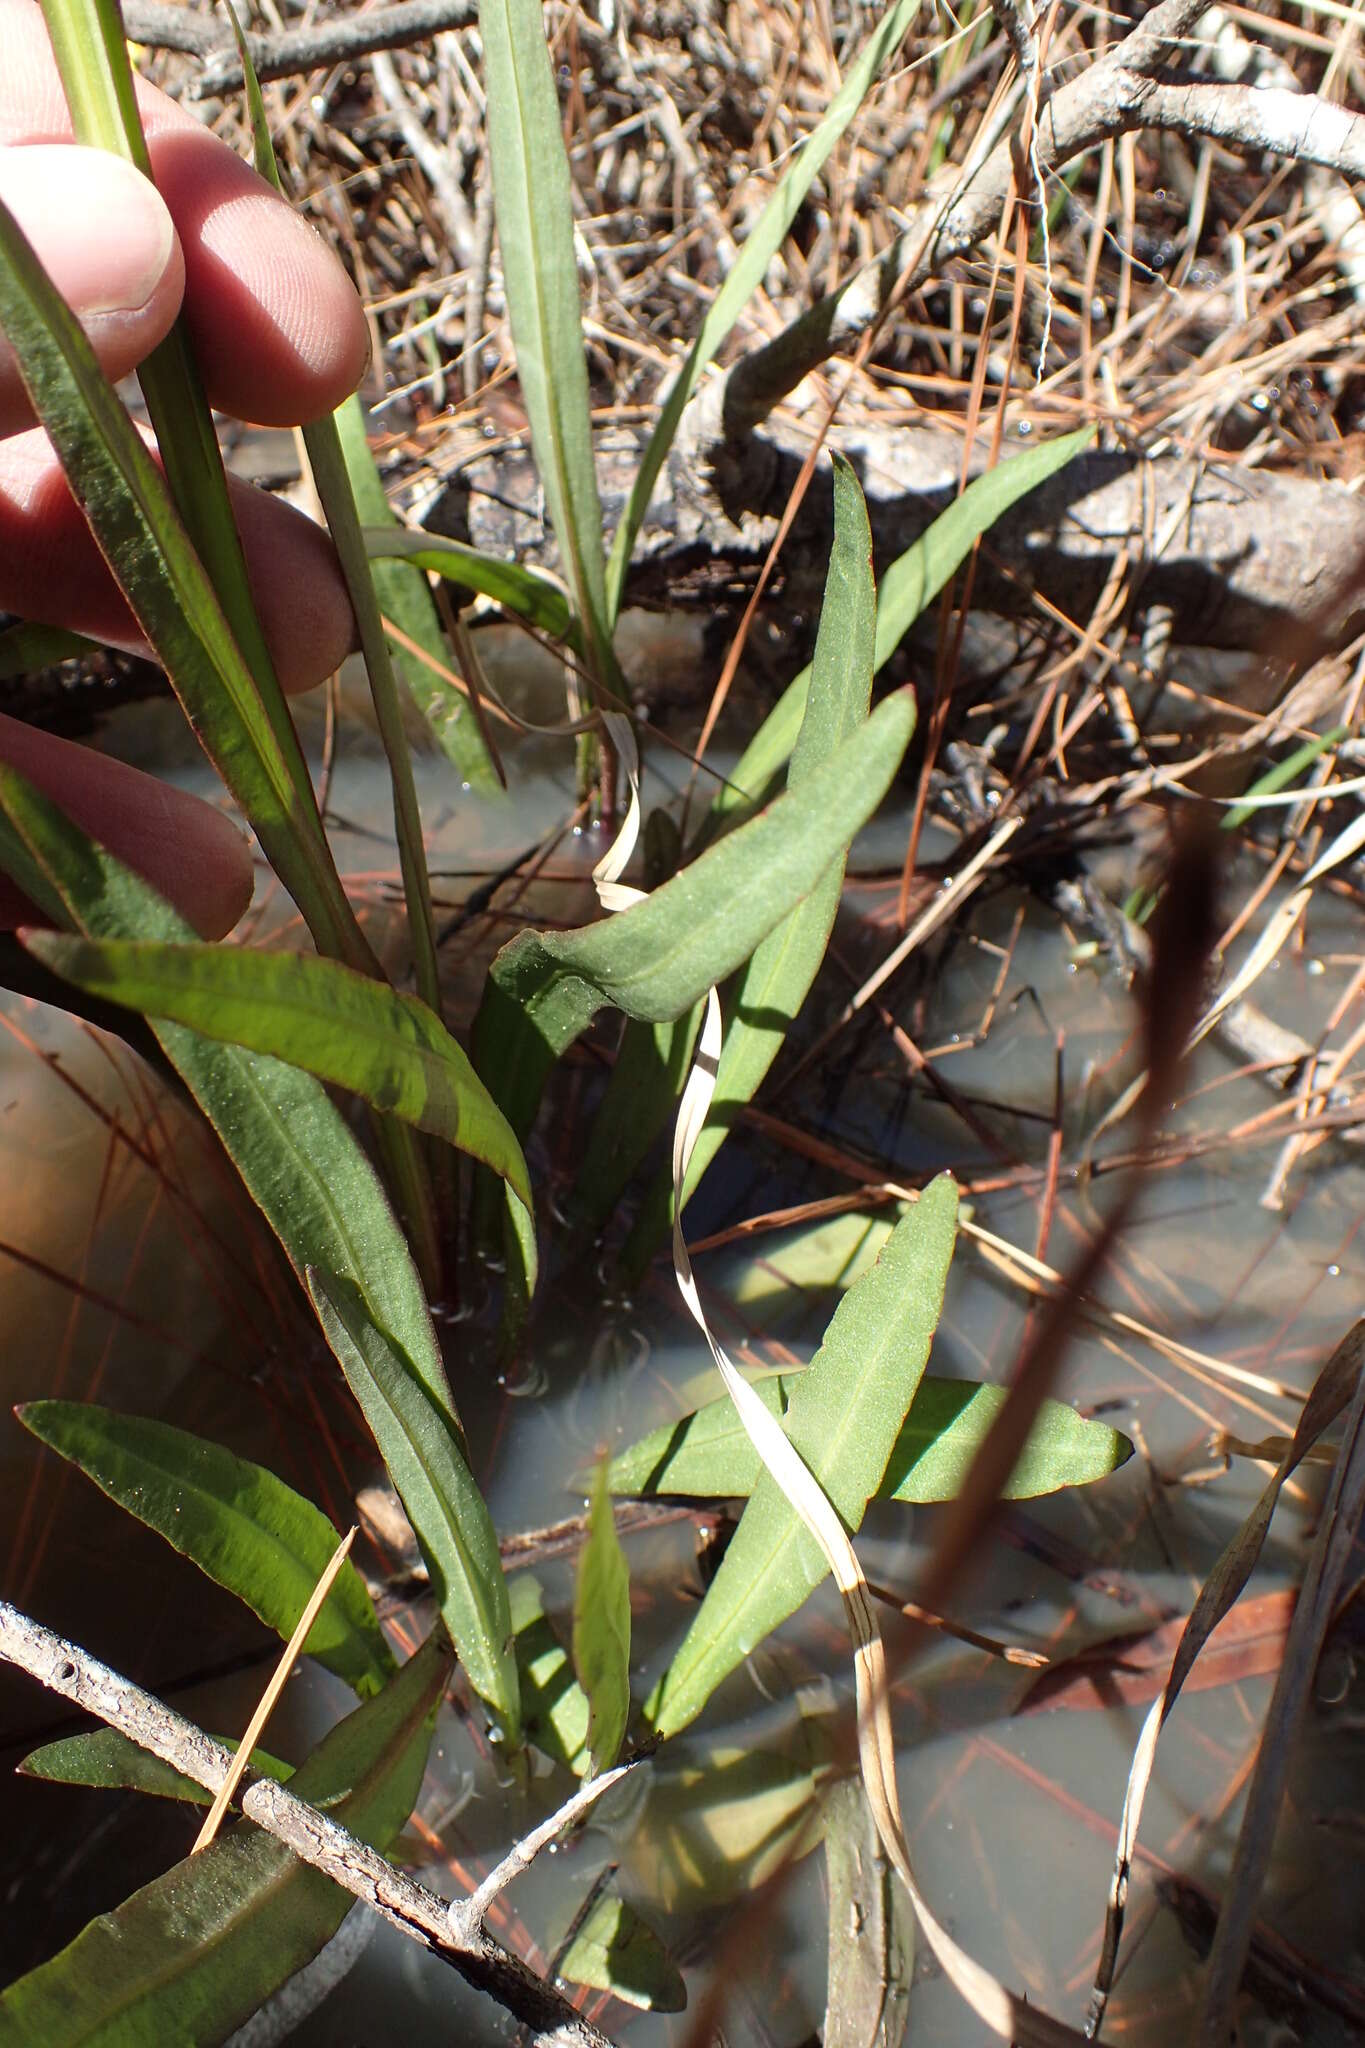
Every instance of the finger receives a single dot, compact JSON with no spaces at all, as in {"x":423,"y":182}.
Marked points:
{"x":105,"y":238}
{"x":51,"y":570}
{"x":276,"y":323}
{"x":189,"y":852}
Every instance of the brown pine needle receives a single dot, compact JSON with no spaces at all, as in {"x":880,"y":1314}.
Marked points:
{"x":213,"y":1820}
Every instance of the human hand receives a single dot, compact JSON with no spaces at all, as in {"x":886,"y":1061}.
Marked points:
{"x":280,"y":338}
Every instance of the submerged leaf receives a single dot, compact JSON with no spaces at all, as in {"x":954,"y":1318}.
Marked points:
{"x":707,"y":1454}
{"x":844,"y":1418}
{"x":615,"y":1950}
{"x":601,"y":1628}
{"x":554,"y":1707}
{"x":243,"y":1527}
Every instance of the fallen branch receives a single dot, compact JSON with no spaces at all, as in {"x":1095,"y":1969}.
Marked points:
{"x":417,"y":1912}
{"x":292,"y":50}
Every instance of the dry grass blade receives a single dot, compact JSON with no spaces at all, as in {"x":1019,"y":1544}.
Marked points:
{"x":1332,"y":1390}
{"x":213,"y":1819}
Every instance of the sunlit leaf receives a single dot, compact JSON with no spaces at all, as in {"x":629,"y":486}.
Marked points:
{"x":190,"y":1956}
{"x":449,"y":1517}
{"x":746,"y":274}
{"x":130,"y":513}
{"x":534,"y":209}
{"x":243,"y":1527}
{"x":316,"y":1014}
{"x":778,"y":978}
{"x":844,"y":1417}
{"x":601,"y":1628}
{"x":655,"y":960}
{"x":722,"y":1823}
{"x":109,"y":1761}
{"x":707,"y":1454}
{"x":525,"y":592}
{"x":913,"y":580}
{"x":288,"y":1141}
{"x":615,"y":1950}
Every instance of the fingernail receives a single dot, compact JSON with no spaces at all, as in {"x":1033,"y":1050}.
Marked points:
{"x":101,"y":231}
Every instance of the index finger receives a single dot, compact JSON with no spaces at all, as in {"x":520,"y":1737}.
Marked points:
{"x":277,"y":326}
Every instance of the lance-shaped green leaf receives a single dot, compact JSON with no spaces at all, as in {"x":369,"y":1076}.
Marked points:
{"x":194,"y":1953}
{"x":449,"y":1516}
{"x":316,"y":1014}
{"x":655,"y":960}
{"x":913,"y":580}
{"x":27,"y":647}
{"x":778,"y":979}
{"x":139,"y":532}
{"x":533,"y":203}
{"x":707,"y":1453}
{"x":648,"y":1076}
{"x":554,"y":1707}
{"x":406,"y":602}
{"x":108,"y":1761}
{"x":761,"y":244}
{"x":242,"y":1526}
{"x":299,"y":1161}
{"x":332,"y":481}
{"x":844,"y":1417}
{"x":601,"y":1628}
{"x":615,"y":1950}
{"x":527,"y":593}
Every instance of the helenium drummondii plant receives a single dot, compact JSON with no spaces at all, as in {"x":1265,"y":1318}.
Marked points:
{"x":255,"y":1035}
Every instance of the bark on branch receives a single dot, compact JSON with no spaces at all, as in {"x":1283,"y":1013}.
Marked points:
{"x":419,"y":1913}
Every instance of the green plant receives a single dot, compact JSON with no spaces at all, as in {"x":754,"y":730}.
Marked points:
{"x":255,"y":1035}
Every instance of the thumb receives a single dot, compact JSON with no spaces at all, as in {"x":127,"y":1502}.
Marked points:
{"x":104,"y":236}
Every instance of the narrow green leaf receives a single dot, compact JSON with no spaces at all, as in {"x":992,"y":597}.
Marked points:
{"x":722,"y":1823}
{"x":140,"y":534}
{"x":913,"y":580}
{"x":534,"y":208}
{"x":527,"y":593}
{"x":331,"y":480}
{"x":243,"y":1527}
{"x":107,"y":1761}
{"x":299,"y":1161}
{"x":315,"y":1014}
{"x":554,"y":1706}
{"x":91,"y":49}
{"x":844,"y":1417}
{"x":448,"y":1514}
{"x":871,"y":1929}
{"x":406,"y":601}
{"x":194,"y":1953}
{"x":707,"y":1454}
{"x":601,"y":1628}
{"x":647,"y":1078}
{"x":655,"y":960}
{"x":778,"y":978}
{"x":761,"y":244}
{"x":615,"y":1950}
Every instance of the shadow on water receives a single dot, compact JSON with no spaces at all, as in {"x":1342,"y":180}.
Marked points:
{"x":134,"y":1274}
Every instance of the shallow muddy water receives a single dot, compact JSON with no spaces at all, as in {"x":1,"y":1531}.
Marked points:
{"x":132,"y":1274}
